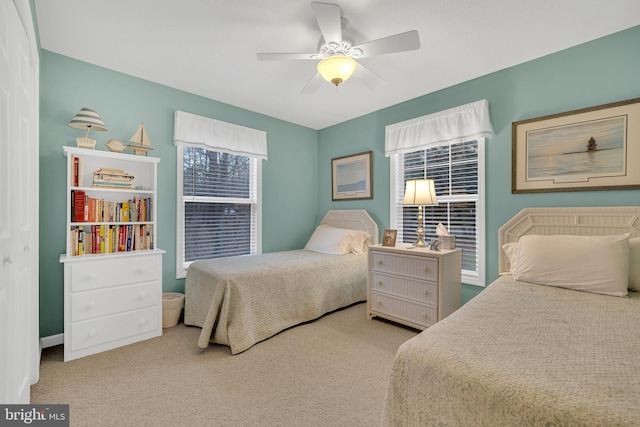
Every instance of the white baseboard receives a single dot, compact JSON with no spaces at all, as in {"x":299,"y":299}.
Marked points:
{"x":51,"y":340}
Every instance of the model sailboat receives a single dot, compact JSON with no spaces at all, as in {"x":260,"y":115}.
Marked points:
{"x":141,"y":144}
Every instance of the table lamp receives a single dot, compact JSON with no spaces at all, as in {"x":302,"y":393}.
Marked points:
{"x":420,"y":192}
{"x":89,"y":120}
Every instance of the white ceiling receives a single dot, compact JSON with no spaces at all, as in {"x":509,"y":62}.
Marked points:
{"x":209,"y":47}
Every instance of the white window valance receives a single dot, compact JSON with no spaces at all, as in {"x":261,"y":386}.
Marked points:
{"x":204,"y":132}
{"x":459,"y":124}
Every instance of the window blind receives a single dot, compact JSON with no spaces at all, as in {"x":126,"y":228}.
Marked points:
{"x":454,"y":170}
{"x":219,"y":194}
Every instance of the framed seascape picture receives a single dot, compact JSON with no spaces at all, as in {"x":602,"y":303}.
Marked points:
{"x":351,"y":177}
{"x":587,"y":149}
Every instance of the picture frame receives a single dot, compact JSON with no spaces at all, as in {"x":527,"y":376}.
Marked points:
{"x":389,"y":237}
{"x":580,"y":150}
{"x":435,"y":245}
{"x":351,"y":177}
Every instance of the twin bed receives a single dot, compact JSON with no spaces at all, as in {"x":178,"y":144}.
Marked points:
{"x":552,"y":342}
{"x":240,"y":301}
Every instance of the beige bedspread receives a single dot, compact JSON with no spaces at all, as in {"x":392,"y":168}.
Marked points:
{"x":240,"y":301}
{"x":522,"y":355}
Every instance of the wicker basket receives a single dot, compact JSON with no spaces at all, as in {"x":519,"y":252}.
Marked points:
{"x":172,"y":303}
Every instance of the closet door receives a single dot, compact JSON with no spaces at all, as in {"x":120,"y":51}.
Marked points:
{"x":5,"y":236}
{"x":19,"y":350}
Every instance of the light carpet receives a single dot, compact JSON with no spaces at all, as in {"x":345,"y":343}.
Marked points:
{"x":329,"y":372}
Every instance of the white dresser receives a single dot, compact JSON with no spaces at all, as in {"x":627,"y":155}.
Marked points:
{"x":415,"y":287}
{"x":111,"y":302}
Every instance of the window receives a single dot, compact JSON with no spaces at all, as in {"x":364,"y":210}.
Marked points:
{"x":219,"y":201}
{"x":448,"y":147}
{"x":457,"y":170}
{"x":219,"y":170}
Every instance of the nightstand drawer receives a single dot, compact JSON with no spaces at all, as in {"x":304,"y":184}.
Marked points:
{"x":88,"y":275}
{"x":104,"y":329}
{"x":420,"y":291}
{"x":101,"y":302}
{"x":404,"y":310}
{"x":422,"y":268}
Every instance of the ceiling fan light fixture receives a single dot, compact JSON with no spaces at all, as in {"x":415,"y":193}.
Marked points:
{"x":336,"y":69}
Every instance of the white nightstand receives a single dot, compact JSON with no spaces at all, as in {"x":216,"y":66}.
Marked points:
{"x":416,"y":287}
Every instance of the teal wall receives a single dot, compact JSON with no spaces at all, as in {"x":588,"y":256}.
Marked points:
{"x":123,"y":102}
{"x":603,"y":71}
{"x":297,"y":176}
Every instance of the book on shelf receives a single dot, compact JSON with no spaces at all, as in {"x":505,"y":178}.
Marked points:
{"x":126,"y":217}
{"x":112,"y":178}
{"x":73,"y":239}
{"x":76,"y":171}
{"x":79,"y":206}
{"x":134,"y":207}
{"x":103,"y":246}
{"x":80,"y":240}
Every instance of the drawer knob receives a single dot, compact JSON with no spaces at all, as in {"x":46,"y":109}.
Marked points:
{"x":91,"y":276}
{"x":380,"y":262}
{"x":92,"y":333}
{"x":140,"y":270}
{"x":7,"y":260}
{"x":143,"y":322}
{"x":380,"y":283}
{"x":91,"y":305}
{"x":379,"y":303}
{"x":142,"y":295}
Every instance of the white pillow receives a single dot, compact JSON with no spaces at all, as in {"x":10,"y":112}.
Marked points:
{"x":598,"y":264}
{"x":331,"y":240}
{"x":360,"y":242}
{"x":634,"y":264}
{"x":511,"y":250}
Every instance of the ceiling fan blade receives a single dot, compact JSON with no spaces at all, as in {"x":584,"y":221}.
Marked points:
{"x":284,"y":56}
{"x":328,"y":17}
{"x":313,"y":84}
{"x":368,"y":77}
{"x":397,"y":43}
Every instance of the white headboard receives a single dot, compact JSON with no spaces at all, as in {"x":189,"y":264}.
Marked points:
{"x":582,"y":221}
{"x":356,"y":219}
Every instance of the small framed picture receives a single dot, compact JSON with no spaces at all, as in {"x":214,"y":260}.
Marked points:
{"x":351,"y":177}
{"x":435,"y":245}
{"x":389,"y":237}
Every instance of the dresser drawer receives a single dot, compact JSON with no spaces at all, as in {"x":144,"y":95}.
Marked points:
{"x":105,"y":329}
{"x":422,"y":268}
{"x":418,"y":290}
{"x":113,"y":272}
{"x":403,"y":310}
{"x":101,"y":302}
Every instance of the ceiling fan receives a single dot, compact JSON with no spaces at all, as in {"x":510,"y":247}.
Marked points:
{"x":338,"y":55}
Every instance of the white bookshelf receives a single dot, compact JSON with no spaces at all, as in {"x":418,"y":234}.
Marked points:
{"x":112,"y":294}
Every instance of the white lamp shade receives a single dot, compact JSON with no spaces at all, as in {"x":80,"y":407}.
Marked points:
{"x":336,"y":69}
{"x":87,"y":119}
{"x":420,"y":192}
